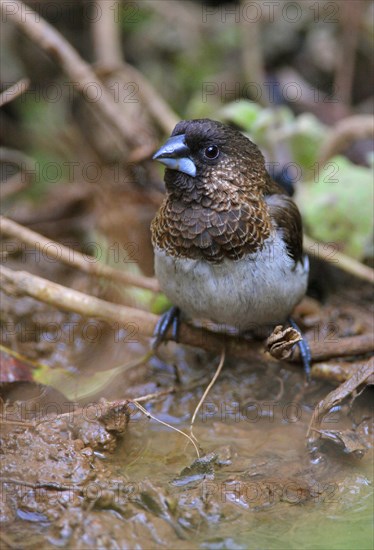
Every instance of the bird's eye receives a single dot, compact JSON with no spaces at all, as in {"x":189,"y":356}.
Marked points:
{"x":211,"y":152}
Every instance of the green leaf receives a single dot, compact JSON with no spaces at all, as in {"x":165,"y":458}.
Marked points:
{"x":160,"y":304}
{"x":244,"y":113}
{"x":81,"y":386}
{"x":337,"y":207}
{"x":305,"y":140}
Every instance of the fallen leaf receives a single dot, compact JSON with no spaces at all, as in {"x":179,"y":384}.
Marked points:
{"x":282,"y":341}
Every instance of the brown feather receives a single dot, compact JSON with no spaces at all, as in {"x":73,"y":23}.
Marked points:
{"x":230,"y":208}
{"x":287,"y":218}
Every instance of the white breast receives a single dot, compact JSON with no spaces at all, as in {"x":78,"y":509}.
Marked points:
{"x":261,"y":289}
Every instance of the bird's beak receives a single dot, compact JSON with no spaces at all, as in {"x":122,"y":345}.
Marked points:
{"x":175,"y":155}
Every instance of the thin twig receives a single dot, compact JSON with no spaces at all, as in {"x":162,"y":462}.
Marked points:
{"x":14,"y":91}
{"x":37,"y":485}
{"x":14,"y":184}
{"x":153,"y":102}
{"x":149,"y":415}
{"x":18,"y":158}
{"x":207,"y":390}
{"x":156,"y":395}
{"x":73,"y":258}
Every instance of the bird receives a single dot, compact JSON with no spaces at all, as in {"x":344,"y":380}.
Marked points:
{"x":227,"y":239}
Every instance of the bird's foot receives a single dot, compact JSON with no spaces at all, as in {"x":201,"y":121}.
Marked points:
{"x":305,"y":352}
{"x":171,"y":317}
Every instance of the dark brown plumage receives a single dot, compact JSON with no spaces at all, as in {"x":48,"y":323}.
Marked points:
{"x":227,"y":239}
{"x":286,"y":217}
{"x":222,"y":212}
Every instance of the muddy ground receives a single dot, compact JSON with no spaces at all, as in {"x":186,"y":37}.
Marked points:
{"x":98,"y":473}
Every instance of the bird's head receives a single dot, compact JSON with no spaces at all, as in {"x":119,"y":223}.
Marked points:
{"x":208,"y":155}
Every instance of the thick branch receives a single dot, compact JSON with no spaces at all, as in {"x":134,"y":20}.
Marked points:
{"x":341,"y":347}
{"x":21,"y":282}
{"x":73,"y":258}
{"x":361,"y":377}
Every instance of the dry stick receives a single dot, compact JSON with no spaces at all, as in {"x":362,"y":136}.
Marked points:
{"x":71,"y":300}
{"x":343,"y":347}
{"x":150,"y":416}
{"x":338,"y":259}
{"x":13,"y":156}
{"x":155,"y":395}
{"x":105,"y":34}
{"x":157,"y":107}
{"x":82,"y":76}
{"x":36,"y":485}
{"x":71,"y":257}
{"x":109,"y":55}
{"x":340,"y":370}
{"x":22,"y":179}
{"x":13,"y":185}
{"x":87,"y":264}
{"x":207,"y":390}
{"x":23,"y":283}
{"x":345,"y":132}
{"x":361,"y":376}
{"x":14,"y":91}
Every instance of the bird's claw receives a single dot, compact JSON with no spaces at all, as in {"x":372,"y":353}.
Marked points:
{"x":305,"y":352}
{"x":170,"y":318}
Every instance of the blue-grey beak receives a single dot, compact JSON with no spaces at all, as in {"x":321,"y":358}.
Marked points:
{"x":175,"y":155}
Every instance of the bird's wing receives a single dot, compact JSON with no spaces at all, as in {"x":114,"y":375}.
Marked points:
{"x":287,"y":219}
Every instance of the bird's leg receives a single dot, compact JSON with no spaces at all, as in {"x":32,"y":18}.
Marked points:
{"x":304,"y":348}
{"x":171,"y":317}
